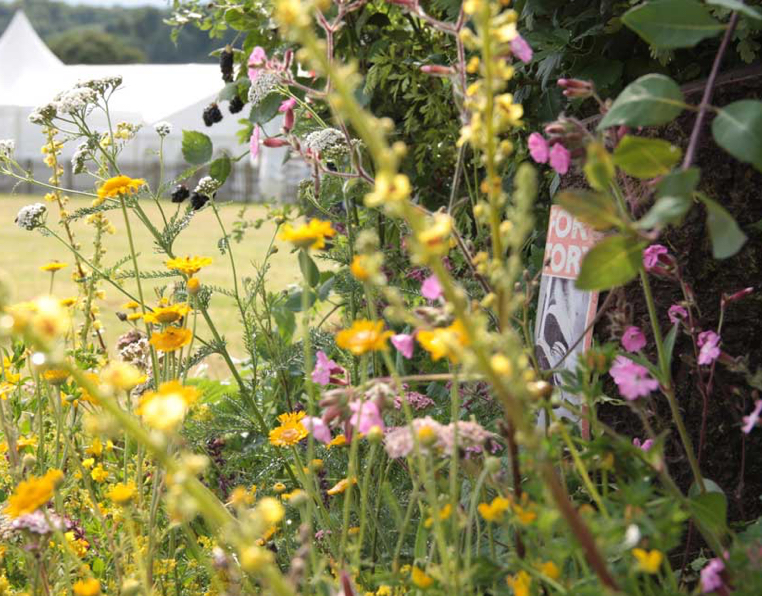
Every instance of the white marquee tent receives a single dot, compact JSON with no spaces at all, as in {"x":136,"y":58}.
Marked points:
{"x":30,"y":75}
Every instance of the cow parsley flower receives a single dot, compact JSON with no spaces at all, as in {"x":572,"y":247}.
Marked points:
{"x":31,"y":216}
{"x":207,"y":186}
{"x":326,"y":142}
{"x":75,"y":100}
{"x":163,"y":129}
{"x":264,"y":84}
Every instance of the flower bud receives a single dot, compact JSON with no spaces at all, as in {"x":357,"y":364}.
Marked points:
{"x":274,"y":142}
{"x":194,"y":286}
{"x":437,"y":69}
{"x":576,"y":88}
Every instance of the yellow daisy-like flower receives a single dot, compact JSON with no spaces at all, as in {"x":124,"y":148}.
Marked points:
{"x":341,"y":486}
{"x":162,"y":315}
{"x":171,"y":339}
{"x":550,"y":569}
{"x":648,"y":561}
{"x":338,"y":441}
{"x":53,"y":266}
{"x":166,"y":408}
{"x":359,"y":268}
{"x":121,"y":375}
{"x":87,"y":587}
{"x":521,"y":583}
{"x":444,"y":341}
{"x":32,"y":494}
{"x":131,"y":305}
{"x":421,"y":579}
{"x":99,"y":474}
{"x":364,"y":336}
{"x":309,"y":235}
{"x":290,"y":431}
{"x":55,"y":376}
{"x":67,"y":302}
{"x":122,"y":493}
{"x":188,"y":265}
{"x":493,"y":512}
{"x":117,"y":186}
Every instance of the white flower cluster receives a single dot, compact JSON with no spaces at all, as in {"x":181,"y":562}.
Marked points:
{"x":163,"y":129}
{"x":262,"y":86}
{"x":43,"y":114}
{"x":207,"y":186}
{"x":75,"y":100}
{"x":326,"y":142}
{"x":102,"y":85}
{"x":7,"y":147}
{"x":31,"y":216}
{"x":80,"y":157}
{"x":81,"y":97}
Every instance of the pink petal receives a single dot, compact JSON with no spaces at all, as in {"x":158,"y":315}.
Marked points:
{"x":559,"y":158}
{"x":258,"y":56}
{"x":633,"y":339}
{"x":404,"y":343}
{"x":287,"y":104}
{"x":521,"y":49}
{"x":431,"y":289}
{"x":538,"y":147}
{"x":254,"y":142}
{"x":318,"y":428}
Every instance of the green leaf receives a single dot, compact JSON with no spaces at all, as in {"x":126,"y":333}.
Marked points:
{"x":710,"y":508}
{"x":666,"y":210}
{"x":680,"y":183}
{"x":197,"y":147}
{"x":612,"y":262}
{"x":220,"y":169}
{"x":309,"y":269}
{"x":738,"y":7}
{"x":727,"y":237}
{"x":326,"y":284}
{"x":652,"y":99}
{"x":267,"y":109}
{"x":595,"y":209}
{"x":670,"y":24}
{"x":599,"y":167}
{"x":737,"y":128}
{"x":646,"y":158}
{"x":669,"y":343}
{"x":294,"y":301}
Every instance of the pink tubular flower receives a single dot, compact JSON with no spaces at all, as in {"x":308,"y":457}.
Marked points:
{"x":404,"y":343}
{"x":752,"y":419}
{"x":676,"y":314}
{"x":711,"y":579}
{"x":287,"y":104}
{"x":633,"y":339}
{"x":538,"y":147}
{"x":633,"y":380}
{"x":521,"y":49}
{"x":559,"y":158}
{"x":324,"y":369}
{"x":318,"y":428}
{"x":431,"y":289}
{"x":709,"y":342}
{"x":645,"y":445}
{"x":254,"y":142}
{"x":365,"y":415}
{"x":652,"y":256}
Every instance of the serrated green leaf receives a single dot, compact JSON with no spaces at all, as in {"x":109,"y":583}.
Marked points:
{"x":220,"y":169}
{"x":646,"y":158}
{"x":727,"y":238}
{"x":612,"y":262}
{"x":671,"y":24}
{"x":197,"y":147}
{"x":738,"y":7}
{"x":309,"y":269}
{"x":737,"y":128}
{"x":651,"y":100}
{"x":595,"y":209}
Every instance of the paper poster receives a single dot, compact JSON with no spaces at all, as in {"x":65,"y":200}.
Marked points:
{"x":563,"y":311}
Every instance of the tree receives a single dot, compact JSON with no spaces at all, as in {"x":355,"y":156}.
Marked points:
{"x":91,"y":46}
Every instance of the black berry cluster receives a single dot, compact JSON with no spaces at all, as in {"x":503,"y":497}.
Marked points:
{"x":212,"y":114}
{"x":180,"y":193}
{"x":226,"y":65}
{"x":236,"y":105}
{"x":198,"y":200}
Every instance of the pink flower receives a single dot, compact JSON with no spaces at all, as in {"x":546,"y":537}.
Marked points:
{"x":559,"y":158}
{"x":538,"y":147}
{"x":708,"y":341}
{"x":324,"y":369}
{"x":418,"y":401}
{"x":676,"y":314}
{"x":257,"y":58}
{"x":431,"y":289}
{"x":521,"y":49}
{"x":752,"y":419}
{"x":318,"y":428}
{"x":287,"y":104}
{"x":645,"y":445}
{"x":633,"y":380}
{"x":633,"y":339}
{"x":254,"y":142}
{"x":652,"y":256}
{"x":365,"y":415}
{"x":404,"y":343}
{"x":710,"y":576}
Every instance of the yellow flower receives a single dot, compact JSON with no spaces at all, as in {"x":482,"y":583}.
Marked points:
{"x":338,"y":441}
{"x":444,"y":513}
{"x":88,"y":463}
{"x":119,"y":185}
{"x":134,"y":316}
{"x":254,"y":559}
{"x":171,"y":339}
{"x":290,"y":431}
{"x":53,"y":266}
{"x":523,"y":513}
{"x":188,"y":265}
{"x":99,"y":474}
{"x":55,"y":376}
{"x":444,"y":341}
{"x":32,"y":494}
{"x":295,"y":494}
{"x":162,"y":315}
{"x":95,"y":448}
{"x":512,"y":112}
{"x":520,"y":583}
{"x":122,"y":493}
{"x":270,"y":510}
{"x":388,"y":189}
{"x":435,"y":237}
{"x":67,"y":302}
{"x":420,"y":579}
{"x":648,"y":561}
{"x":121,"y":375}
{"x":79,"y":546}
{"x":131,"y":305}
{"x":166,"y":408}
{"x":279,"y":487}
{"x":359,"y":268}
{"x":310,"y":235}
{"x":340,"y":486}
{"x":87,"y":587}
{"x":550,"y":569}
{"x":364,"y":336}
{"x":493,"y":512}
{"x":194,"y":286}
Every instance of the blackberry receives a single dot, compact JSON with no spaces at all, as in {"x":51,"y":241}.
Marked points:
{"x":212,"y":114}
{"x":226,"y":65}
{"x":198,"y":200}
{"x":236,"y":105}
{"x":180,"y":193}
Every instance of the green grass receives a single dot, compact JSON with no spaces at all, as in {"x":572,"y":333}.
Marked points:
{"x":22,"y":253}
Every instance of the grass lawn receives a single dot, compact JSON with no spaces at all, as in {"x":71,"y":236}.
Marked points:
{"x":23,"y":252}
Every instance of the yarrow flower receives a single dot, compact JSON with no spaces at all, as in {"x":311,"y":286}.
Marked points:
{"x":38,"y":523}
{"x":261,"y":86}
{"x":31,"y":216}
{"x":310,"y":235}
{"x":207,"y":186}
{"x":7,"y":147}
{"x":418,"y":401}
{"x":326,"y":142}
{"x":291,"y":430}
{"x":163,"y":129}
{"x":75,"y":100}
{"x":364,"y":336}
{"x":709,"y":342}
{"x":750,"y":421}
{"x":32,"y":494}
{"x":633,"y":380}
{"x":677,"y":313}
{"x":633,"y":339}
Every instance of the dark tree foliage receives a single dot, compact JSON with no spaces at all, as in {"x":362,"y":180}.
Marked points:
{"x":91,"y":46}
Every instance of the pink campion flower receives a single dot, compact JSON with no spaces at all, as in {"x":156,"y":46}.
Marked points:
{"x":559,"y":158}
{"x":645,"y":445}
{"x":257,"y":59}
{"x":752,"y":419}
{"x":709,"y":342}
{"x":676,"y":313}
{"x":287,"y":104}
{"x":538,"y":147}
{"x":633,"y":339}
{"x":521,"y":49}
{"x":652,"y":256}
{"x":254,"y":142}
{"x":318,"y":428}
{"x":711,"y":579}
{"x":431,"y":289}
{"x":404,"y":344}
{"x":324,"y":369}
{"x":633,"y":380}
{"x":365,"y":415}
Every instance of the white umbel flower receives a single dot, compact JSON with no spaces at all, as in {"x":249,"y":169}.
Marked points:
{"x":75,"y":100}
{"x":207,"y":186}
{"x":163,"y":129}
{"x":7,"y":147}
{"x":31,"y":216}
{"x":262,"y":86}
